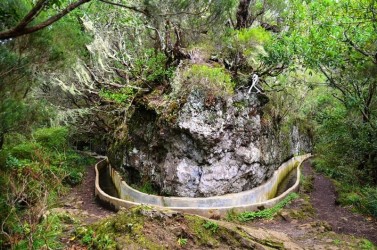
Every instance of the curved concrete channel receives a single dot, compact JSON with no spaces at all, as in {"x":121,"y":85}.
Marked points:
{"x":215,"y":206}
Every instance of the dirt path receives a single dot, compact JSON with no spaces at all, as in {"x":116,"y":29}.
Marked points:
{"x":317,"y":222}
{"x":81,"y":200}
{"x":323,"y":199}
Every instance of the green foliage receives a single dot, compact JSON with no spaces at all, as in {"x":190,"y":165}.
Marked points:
{"x":44,"y":236}
{"x":52,"y":138}
{"x":11,"y":12}
{"x":244,"y":49}
{"x":342,"y":144}
{"x":366,"y":245}
{"x":120,"y":96}
{"x":33,"y":177}
{"x":151,"y":66}
{"x":267,"y":213}
{"x":17,"y":114}
{"x":25,"y":150}
{"x":249,"y":38}
{"x":146,"y":187}
{"x":90,"y":239}
{"x":333,"y":43}
{"x":214,"y":80}
{"x":212,"y":226}
{"x":182,"y":241}
{"x":361,"y":199}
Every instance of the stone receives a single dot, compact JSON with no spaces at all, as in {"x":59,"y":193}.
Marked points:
{"x":208,"y":149}
{"x":286,"y":216}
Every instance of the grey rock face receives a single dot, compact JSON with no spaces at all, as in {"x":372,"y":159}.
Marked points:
{"x":210,"y":149}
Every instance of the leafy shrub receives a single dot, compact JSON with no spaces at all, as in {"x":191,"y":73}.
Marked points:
{"x":45,"y":235}
{"x":25,"y":150}
{"x":12,"y":162}
{"x":252,"y":35}
{"x":247,"y":42}
{"x":267,"y":213}
{"x":212,"y":226}
{"x":13,"y":139}
{"x":366,"y":245}
{"x":53,"y":138}
{"x":32,"y":173}
{"x":91,"y":239}
{"x":74,"y":177}
{"x":151,"y":67}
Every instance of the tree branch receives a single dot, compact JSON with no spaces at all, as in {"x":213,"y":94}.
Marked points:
{"x":126,"y":7}
{"x":21,"y":29}
{"x":358,"y":49}
{"x":31,"y":15}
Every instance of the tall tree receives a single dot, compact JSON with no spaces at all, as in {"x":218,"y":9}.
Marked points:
{"x":337,"y":39}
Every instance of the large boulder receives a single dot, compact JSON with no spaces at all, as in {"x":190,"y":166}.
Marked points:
{"x":213,"y":146}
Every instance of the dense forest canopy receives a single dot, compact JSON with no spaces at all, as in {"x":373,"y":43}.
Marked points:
{"x":72,"y":71}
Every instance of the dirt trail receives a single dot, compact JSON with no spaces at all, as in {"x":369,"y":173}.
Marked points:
{"x":319,"y":223}
{"x":81,"y":200}
{"x":323,"y":199}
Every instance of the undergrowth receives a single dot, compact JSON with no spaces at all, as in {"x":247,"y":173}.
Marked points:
{"x":267,"y":213}
{"x":34,"y":172}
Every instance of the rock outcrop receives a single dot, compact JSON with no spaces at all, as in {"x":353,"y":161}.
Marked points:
{"x":213,"y":146}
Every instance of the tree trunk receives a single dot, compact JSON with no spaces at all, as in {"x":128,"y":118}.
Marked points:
{"x":242,"y":14}
{"x":1,"y":140}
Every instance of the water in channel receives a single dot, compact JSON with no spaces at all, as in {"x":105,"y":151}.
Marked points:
{"x":106,"y":184}
{"x":287,"y":182}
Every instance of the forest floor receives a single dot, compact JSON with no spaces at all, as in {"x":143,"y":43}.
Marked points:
{"x":313,"y":221}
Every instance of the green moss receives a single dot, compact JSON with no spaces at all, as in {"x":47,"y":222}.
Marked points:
{"x":127,"y":225}
{"x":305,"y":209}
{"x":119,"y":96}
{"x":367,"y":245}
{"x":203,"y":236}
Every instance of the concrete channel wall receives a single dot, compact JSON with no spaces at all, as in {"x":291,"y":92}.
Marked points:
{"x":261,"y":196}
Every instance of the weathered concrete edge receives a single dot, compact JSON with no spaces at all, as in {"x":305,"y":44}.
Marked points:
{"x":210,"y":212}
